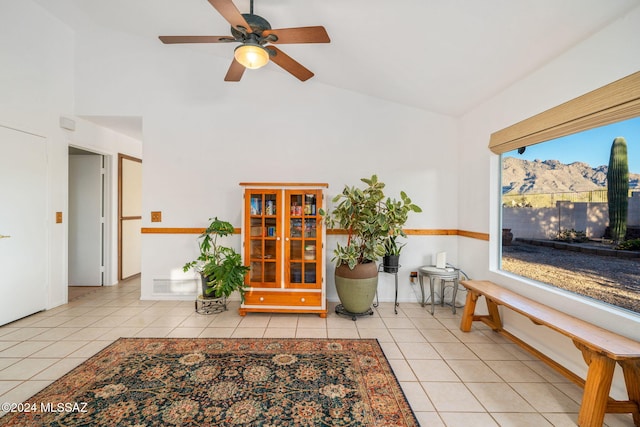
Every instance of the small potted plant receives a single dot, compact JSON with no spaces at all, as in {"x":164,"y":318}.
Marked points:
{"x":391,"y":259}
{"x":370,"y":218}
{"x":396,"y":213}
{"x":220,"y":267}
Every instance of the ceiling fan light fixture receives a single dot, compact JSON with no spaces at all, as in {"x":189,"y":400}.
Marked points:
{"x":251,"y":55}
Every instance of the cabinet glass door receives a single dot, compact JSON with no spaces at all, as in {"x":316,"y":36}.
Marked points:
{"x":262,"y":249}
{"x":303,"y":235}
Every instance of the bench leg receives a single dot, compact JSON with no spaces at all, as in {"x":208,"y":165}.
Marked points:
{"x":631,"y":370}
{"x":596,"y":389}
{"x":469,"y":310}
{"x":494,"y":316}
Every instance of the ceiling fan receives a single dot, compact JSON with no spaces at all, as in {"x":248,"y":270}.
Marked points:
{"x":257,"y":39}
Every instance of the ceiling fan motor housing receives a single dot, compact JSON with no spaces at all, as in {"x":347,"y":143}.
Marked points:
{"x":257,"y":23}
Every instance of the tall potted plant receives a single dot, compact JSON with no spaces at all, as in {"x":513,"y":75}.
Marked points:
{"x":220,"y":267}
{"x":369,"y":218}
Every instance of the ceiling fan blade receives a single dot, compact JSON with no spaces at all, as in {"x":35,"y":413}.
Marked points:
{"x":230,"y":12}
{"x":299,"y":35}
{"x":289,"y":64}
{"x":235,"y":72}
{"x":196,"y":39}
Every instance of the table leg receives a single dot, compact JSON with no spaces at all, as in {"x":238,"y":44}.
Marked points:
{"x":395,"y":306}
{"x":420,"y":278}
{"x":455,"y":293}
{"x":431,"y":285}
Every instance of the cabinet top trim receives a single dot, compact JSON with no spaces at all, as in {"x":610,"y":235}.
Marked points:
{"x":284,"y":184}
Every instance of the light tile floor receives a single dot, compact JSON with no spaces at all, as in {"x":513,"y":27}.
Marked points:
{"x":450,"y":378}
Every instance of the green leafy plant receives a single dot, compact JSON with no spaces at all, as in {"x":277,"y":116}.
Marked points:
{"x":629,"y":245}
{"x":396,"y":213}
{"x":370,"y":218}
{"x":392,"y":247}
{"x":220,"y":265}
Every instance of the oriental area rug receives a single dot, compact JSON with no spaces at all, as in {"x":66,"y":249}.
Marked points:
{"x":230,"y":382}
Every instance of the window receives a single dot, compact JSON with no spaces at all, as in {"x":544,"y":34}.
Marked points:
{"x":553,"y":194}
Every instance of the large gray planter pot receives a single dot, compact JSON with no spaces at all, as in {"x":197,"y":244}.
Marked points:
{"x":356,"y":288}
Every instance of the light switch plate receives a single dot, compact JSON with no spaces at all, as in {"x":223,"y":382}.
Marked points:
{"x":58,"y":217}
{"x":156,"y":216}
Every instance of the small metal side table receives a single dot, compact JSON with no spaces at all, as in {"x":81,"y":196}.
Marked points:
{"x":449,"y":274}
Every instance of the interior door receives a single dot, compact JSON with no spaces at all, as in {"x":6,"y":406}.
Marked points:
{"x":23,"y":224}
{"x":86,"y":220}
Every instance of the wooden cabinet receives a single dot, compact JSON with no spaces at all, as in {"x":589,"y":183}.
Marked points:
{"x":283,"y":243}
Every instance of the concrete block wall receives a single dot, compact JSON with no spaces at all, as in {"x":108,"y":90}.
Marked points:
{"x":545,"y":223}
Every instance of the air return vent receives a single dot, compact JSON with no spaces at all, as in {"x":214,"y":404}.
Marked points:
{"x":167,"y":287}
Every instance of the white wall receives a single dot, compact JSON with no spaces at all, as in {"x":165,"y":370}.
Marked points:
{"x":37,"y":88}
{"x":312,"y":134}
{"x":546,"y":223}
{"x":204,"y":136}
{"x":608,"y":55}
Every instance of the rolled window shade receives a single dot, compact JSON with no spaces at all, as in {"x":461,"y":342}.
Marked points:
{"x":612,"y":103}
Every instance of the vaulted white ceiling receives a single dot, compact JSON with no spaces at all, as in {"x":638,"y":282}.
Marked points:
{"x":444,"y":56}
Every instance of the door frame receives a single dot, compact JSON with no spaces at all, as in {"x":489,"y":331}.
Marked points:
{"x":121,"y":218}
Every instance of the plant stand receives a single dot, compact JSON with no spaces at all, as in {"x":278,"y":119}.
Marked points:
{"x":340,"y":310}
{"x":210,"y":305}
{"x":391,"y":270}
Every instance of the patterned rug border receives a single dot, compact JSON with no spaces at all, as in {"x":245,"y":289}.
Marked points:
{"x":122,"y":347}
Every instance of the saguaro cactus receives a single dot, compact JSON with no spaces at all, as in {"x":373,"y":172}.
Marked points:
{"x":618,"y":189}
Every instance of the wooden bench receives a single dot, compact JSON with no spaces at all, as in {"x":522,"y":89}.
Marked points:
{"x":601,"y":349}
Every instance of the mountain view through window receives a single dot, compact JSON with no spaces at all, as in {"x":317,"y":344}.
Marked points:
{"x":555,"y":214}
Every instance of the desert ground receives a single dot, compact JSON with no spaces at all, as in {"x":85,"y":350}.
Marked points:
{"x":613,"y":280}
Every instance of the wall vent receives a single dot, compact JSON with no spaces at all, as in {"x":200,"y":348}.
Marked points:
{"x":167,"y":287}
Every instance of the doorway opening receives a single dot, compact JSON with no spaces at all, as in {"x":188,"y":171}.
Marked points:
{"x":87,"y":225}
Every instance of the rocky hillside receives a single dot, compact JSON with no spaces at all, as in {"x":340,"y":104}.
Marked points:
{"x":550,"y":176}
